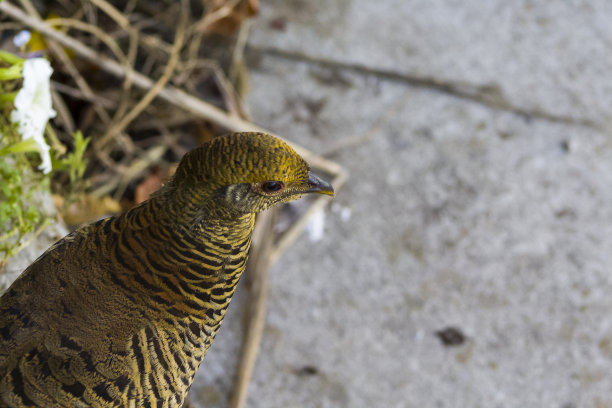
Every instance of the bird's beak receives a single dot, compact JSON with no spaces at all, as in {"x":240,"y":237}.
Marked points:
{"x":319,"y":186}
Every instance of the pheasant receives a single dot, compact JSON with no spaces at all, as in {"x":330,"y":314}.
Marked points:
{"x":121,"y":312}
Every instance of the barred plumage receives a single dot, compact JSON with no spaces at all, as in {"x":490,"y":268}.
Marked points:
{"x":122,"y":312}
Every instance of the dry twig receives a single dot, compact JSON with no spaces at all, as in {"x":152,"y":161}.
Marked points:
{"x":124,"y":119}
{"x":255,"y":314}
{"x":156,"y":88}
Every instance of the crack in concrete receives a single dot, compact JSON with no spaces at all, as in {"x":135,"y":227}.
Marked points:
{"x":489,"y":95}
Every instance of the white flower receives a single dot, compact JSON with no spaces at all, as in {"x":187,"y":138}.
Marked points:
{"x":33,"y":106}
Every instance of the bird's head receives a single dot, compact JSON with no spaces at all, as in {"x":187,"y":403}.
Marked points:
{"x":247,"y":173}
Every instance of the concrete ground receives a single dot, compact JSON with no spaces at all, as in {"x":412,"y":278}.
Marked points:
{"x":477,"y":137}
{"x":466,"y":263}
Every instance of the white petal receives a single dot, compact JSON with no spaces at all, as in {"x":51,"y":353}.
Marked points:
{"x":33,"y":106}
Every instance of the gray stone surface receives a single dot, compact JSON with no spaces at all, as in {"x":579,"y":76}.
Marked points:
{"x":542,"y":56}
{"x":487,"y":210}
{"x":476,"y":134}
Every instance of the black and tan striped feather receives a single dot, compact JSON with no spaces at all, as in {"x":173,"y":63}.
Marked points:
{"x":121,"y":313}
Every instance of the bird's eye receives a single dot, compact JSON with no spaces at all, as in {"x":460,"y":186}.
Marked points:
{"x":272,"y":186}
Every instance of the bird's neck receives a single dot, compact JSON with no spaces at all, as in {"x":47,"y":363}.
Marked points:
{"x":185,"y":268}
{"x":190,"y":261}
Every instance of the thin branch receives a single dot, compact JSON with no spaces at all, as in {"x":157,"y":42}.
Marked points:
{"x":257,"y":283}
{"x":216,"y":15}
{"x":238,"y":53}
{"x":127,"y":81}
{"x":155,"y":89}
{"x":486,"y":95}
{"x":169,"y":94}
{"x":113,"y":13}
{"x":61,"y":55}
{"x":289,"y":237}
{"x":78,"y":94}
{"x":63,"y":113}
{"x":92,"y":29}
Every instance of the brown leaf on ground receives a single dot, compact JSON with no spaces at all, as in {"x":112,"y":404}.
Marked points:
{"x":229,"y":23}
{"x":150,"y":184}
{"x":87,"y":209}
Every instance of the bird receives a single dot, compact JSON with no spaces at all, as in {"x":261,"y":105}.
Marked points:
{"x":122,"y":311}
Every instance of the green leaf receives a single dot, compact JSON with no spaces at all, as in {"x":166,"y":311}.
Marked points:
{"x":8,"y":97}
{"x":12,"y":72}
{"x":11,"y":58}
{"x":74,"y":161}
{"x":25,"y":146}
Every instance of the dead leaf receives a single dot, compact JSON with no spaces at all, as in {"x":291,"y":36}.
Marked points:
{"x":87,"y":209}
{"x":154,"y":180}
{"x":148,"y":186}
{"x":230,"y":22}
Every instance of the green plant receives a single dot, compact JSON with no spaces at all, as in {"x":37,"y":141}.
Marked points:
{"x":74,"y":164}
{"x":17,"y":216}
{"x":23,"y":147}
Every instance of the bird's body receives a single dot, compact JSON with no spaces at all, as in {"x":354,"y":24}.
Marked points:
{"x":122,"y":312}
